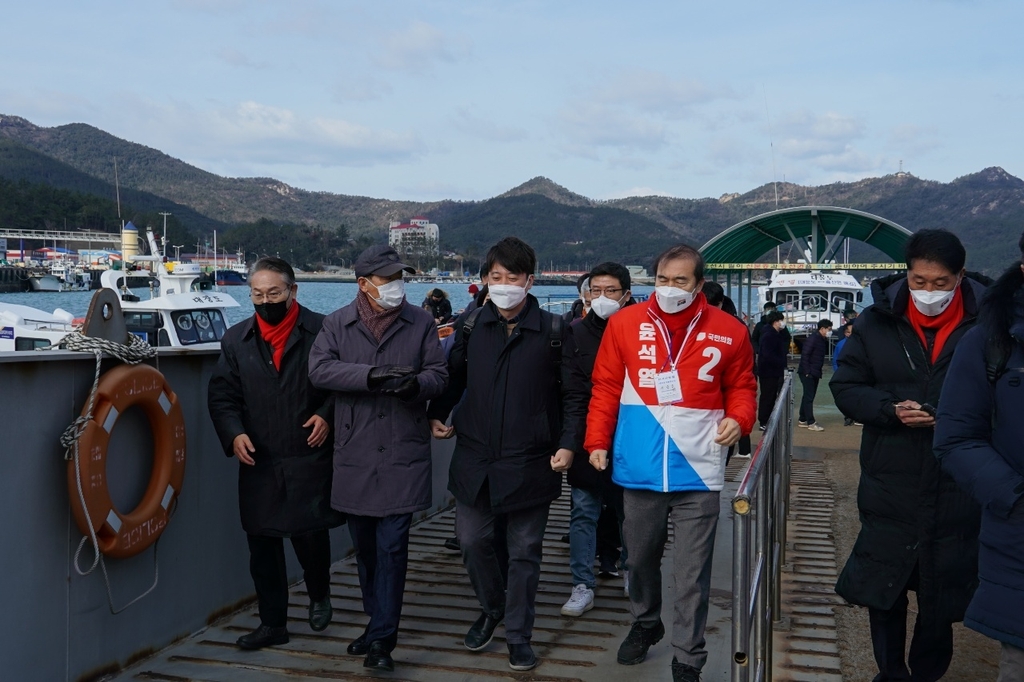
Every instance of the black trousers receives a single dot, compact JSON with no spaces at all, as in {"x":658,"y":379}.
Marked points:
{"x":382,"y":557}
{"x":770,"y":387}
{"x":512,"y":589}
{"x":270,"y":574}
{"x":931,"y":647}
{"x":810,"y":385}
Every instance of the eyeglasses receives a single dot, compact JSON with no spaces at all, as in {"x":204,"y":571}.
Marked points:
{"x":610,"y":293}
{"x":272,"y":296}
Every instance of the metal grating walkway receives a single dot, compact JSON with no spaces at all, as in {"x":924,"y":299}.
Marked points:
{"x":439,"y":607}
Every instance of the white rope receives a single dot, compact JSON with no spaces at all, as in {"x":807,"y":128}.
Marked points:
{"x":133,"y":353}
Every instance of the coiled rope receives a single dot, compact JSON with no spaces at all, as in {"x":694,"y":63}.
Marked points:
{"x":132,"y":353}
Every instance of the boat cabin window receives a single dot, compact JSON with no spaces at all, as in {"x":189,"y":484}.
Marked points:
{"x":815,"y":300}
{"x":841,"y":300}
{"x":28,"y":343}
{"x":199,"y":326}
{"x":788,"y":299}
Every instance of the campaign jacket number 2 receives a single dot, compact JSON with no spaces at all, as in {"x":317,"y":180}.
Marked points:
{"x":670,"y":448}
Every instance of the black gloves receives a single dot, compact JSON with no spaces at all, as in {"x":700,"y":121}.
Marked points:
{"x":378,"y":375}
{"x":405,"y":388}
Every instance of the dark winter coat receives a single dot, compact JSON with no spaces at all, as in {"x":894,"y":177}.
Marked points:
{"x":773,"y":353}
{"x":382,"y":464}
{"x":579,"y":353}
{"x":979,"y":438}
{"x":510,"y":422}
{"x":441,"y":310}
{"x":812,"y":355}
{"x":911,"y":512}
{"x":288,"y":490}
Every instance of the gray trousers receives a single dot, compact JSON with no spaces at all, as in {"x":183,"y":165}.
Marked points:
{"x":1011,"y":664}
{"x":645,"y":531}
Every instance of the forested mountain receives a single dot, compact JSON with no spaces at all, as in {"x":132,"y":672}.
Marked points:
{"x":569,"y":230}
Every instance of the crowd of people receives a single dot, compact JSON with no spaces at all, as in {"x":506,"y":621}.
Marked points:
{"x":638,"y":404}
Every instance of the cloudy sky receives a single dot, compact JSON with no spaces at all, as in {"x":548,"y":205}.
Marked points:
{"x":465,"y":99}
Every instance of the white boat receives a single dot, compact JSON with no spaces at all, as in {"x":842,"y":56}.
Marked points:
{"x":26,"y":328}
{"x":178,"y":313}
{"x":805,"y":298}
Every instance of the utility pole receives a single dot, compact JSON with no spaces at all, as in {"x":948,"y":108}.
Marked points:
{"x":164,"y":244}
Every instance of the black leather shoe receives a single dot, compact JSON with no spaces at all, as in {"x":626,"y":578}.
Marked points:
{"x":452,"y":544}
{"x":263,"y":636}
{"x":634,"y":648}
{"x":378,"y":657}
{"x":359,"y":646}
{"x":320,"y":613}
{"x":482,"y":632}
{"x":684,"y":673}
{"x":521,"y":657}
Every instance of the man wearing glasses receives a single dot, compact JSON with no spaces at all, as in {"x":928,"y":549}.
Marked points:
{"x":277,"y":425}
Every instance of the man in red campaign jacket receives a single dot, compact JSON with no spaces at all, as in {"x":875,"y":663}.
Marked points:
{"x":673,"y":388}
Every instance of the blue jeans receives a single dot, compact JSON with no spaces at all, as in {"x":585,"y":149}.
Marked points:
{"x":586,"y":510}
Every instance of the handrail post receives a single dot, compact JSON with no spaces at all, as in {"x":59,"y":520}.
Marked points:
{"x":740,"y":596}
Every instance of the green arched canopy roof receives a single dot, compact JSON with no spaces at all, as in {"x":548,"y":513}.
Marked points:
{"x":821,"y":228}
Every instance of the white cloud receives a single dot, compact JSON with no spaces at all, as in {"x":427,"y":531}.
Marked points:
{"x":252,"y":132}
{"x":806,"y":135}
{"x":240,"y":59}
{"x":417,"y":47}
{"x":657,"y":93}
{"x":590,"y":126}
{"x":468,"y":122}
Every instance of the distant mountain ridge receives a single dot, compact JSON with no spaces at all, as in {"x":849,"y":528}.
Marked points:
{"x":985,"y":208}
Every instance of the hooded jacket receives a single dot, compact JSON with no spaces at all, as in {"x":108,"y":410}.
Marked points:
{"x":911,"y":512}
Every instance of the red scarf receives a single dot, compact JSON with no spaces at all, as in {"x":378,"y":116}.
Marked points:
{"x":942,"y":324}
{"x":277,"y":334}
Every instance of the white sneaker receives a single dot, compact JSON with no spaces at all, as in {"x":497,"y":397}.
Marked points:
{"x":625,"y":582}
{"x":581,"y":601}
{"x":815,"y":427}
{"x":802,"y":425}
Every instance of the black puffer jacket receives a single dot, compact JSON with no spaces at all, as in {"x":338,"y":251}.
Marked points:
{"x":911,"y":512}
{"x":510,"y":422}
{"x":578,"y":356}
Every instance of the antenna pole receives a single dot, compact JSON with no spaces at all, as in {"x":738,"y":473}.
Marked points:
{"x":771,"y":144}
{"x":117,"y":189}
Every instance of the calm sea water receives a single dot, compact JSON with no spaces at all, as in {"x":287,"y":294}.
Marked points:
{"x":319,"y":296}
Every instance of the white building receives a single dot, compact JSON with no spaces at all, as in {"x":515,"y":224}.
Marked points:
{"x":419,"y":236}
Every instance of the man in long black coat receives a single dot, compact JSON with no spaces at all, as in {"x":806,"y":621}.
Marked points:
{"x":919,"y":531}
{"x":268,"y":416}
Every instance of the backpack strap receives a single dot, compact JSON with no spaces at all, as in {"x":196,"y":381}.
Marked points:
{"x":470,"y":322}
{"x":555,"y":336}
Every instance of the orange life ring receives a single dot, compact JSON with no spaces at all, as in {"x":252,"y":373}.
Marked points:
{"x":122,"y":535}
{"x":445,"y":332}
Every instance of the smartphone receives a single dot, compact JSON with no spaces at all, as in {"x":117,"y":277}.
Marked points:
{"x":925,"y":407}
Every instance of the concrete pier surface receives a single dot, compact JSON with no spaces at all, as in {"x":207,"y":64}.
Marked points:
{"x":821,"y":638}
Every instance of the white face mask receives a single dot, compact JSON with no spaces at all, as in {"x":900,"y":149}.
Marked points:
{"x":673,"y":300}
{"x":506,"y":296}
{"x":605,"y":307}
{"x":391,"y":294}
{"x":932,"y":303}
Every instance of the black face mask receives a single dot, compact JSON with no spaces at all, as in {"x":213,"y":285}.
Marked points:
{"x":272,"y":313}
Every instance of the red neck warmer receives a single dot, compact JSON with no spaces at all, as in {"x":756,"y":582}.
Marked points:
{"x":942,"y":324}
{"x":678,"y":322}
{"x":277,"y":334}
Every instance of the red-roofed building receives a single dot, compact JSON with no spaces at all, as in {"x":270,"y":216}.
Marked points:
{"x":419,"y":236}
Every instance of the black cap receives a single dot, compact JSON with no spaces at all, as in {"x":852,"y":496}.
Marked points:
{"x":380,"y":260}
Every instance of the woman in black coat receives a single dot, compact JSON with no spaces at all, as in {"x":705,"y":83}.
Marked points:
{"x":918,"y":529}
{"x":268,"y":415}
{"x":773,"y":356}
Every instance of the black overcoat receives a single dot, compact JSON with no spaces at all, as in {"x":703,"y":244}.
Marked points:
{"x":287,"y":492}
{"x":510,"y":422}
{"x":911,"y":512}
